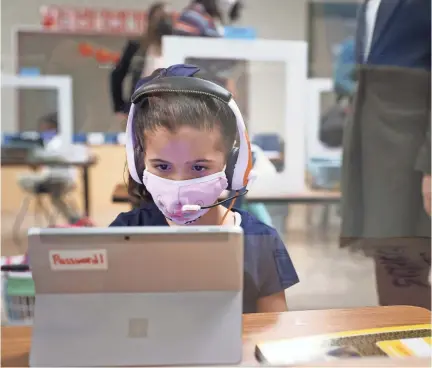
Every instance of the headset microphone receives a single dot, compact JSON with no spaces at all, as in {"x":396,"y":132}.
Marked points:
{"x":196,"y":207}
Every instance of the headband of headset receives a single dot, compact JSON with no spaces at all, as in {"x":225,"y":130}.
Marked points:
{"x":179,"y":78}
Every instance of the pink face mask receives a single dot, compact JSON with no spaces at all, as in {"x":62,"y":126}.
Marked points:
{"x":171,"y":195}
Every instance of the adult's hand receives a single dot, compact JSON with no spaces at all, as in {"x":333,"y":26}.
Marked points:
{"x":426,"y":191}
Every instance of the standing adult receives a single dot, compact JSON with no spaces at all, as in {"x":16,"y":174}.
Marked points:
{"x":140,"y":57}
{"x":386,"y":155}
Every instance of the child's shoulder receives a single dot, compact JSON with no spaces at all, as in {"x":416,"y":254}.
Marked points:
{"x":146,"y":215}
{"x":252,"y":226}
{"x":266,"y":259}
{"x":258,"y":236}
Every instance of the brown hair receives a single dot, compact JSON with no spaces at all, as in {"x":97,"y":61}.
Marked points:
{"x":151,"y":36}
{"x":211,"y":7}
{"x":171,"y":110}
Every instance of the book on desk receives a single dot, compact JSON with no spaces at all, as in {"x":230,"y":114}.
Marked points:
{"x":394,"y":342}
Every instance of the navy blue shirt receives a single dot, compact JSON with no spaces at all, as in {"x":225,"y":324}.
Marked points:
{"x":268,"y":268}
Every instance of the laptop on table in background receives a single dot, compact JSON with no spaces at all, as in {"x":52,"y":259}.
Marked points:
{"x":137,"y":296}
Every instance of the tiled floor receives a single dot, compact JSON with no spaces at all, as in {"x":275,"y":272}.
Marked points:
{"x":330,"y":277}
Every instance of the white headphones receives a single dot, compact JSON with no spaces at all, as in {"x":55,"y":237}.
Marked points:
{"x":239,"y":164}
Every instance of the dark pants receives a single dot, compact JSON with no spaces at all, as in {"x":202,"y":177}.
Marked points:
{"x":402,"y":272}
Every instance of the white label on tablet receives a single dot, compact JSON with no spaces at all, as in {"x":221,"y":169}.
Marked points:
{"x":65,"y":260}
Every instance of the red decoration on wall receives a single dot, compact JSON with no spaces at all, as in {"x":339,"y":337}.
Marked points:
{"x":115,"y":57}
{"x":100,"y":54}
{"x":103,"y":56}
{"x":48,"y":21}
{"x":48,"y":18}
{"x":115,"y":21}
{"x":85,"y":19}
{"x":92,"y":20}
{"x":85,"y":49}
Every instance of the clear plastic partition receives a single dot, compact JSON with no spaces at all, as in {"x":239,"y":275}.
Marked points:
{"x":42,"y":95}
{"x":269,"y":82}
{"x":88,"y":60}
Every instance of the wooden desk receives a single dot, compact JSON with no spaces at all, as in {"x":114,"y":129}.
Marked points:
{"x":259,"y":327}
{"x":35,"y":163}
{"x":120,"y":195}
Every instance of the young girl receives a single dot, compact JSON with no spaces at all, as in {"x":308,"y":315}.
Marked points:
{"x":180,"y":147}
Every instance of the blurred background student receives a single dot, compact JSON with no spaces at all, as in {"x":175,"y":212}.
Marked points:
{"x":201,"y":18}
{"x":140,"y":57}
{"x":206,"y":18}
{"x":56,"y":181}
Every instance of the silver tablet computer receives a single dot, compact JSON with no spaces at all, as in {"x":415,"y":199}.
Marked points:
{"x":137,"y":296}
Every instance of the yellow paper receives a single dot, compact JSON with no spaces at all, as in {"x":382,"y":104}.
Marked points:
{"x":413,"y":347}
{"x":393,"y":341}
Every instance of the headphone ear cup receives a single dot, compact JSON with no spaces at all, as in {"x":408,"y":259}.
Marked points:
{"x":231,"y":162}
